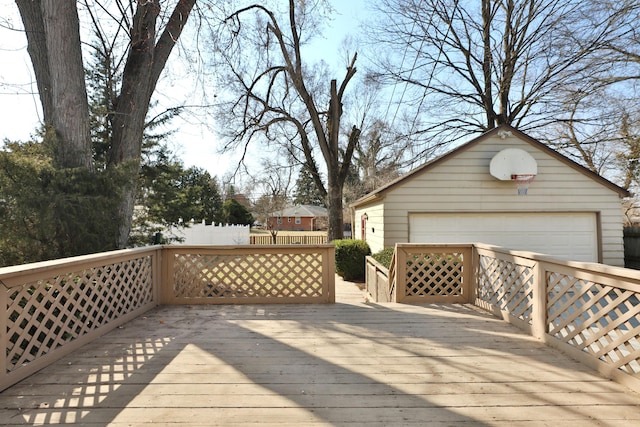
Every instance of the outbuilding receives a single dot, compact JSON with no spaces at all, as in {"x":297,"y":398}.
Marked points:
{"x":502,"y":188}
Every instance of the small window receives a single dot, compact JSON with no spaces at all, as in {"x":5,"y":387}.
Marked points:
{"x":298,"y":221}
{"x":279,"y":220}
{"x":288,"y":219}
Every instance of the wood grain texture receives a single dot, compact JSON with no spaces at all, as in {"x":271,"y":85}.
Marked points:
{"x":351,"y":363}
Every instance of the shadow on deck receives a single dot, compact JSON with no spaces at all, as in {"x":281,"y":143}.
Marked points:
{"x":350,"y":363}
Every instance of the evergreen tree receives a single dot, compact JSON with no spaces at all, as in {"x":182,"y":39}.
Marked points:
{"x":171,"y":195}
{"x":235,"y":213}
{"x":204,"y":192}
{"x":48,"y":213}
{"x":306,"y":192}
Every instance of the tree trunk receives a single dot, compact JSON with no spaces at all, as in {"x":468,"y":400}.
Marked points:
{"x":487,"y":64}
{"x":52,"y":28}
{"x":53,"y":34}
{"x":131,"y":112}
{"x":31,"y":15}
{"x":144,"y":65}
{"x":68,"y":88}
{"x":334,"y":208}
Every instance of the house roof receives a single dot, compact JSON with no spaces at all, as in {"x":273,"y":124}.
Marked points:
{"x":302,"y":211}
{"x":381,"y":191}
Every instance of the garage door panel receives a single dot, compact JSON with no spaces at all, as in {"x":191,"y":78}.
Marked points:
{"x":564,"y":235}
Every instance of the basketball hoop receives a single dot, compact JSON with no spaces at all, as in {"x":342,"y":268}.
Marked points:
{"x":522,"y":182}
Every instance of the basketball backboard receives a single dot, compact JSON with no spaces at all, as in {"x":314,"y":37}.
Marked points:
{"x":510,"y":162}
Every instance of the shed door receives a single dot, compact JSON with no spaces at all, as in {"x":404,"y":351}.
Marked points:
{"x":572,"y":236}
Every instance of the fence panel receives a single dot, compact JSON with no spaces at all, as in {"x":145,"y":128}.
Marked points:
{"x":595,"y":314}
{"x":377,"y":280}
{"x":249,"y":275}
{"x":289,"y":239}
{"x":505,"y":286}
{"x":590,"y":311}
{"x":52,"y":308}
{"x":433,"y":273}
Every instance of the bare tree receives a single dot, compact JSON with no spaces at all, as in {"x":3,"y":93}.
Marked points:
{"x":276,"y":98}
{"x":600,"y":124}
{"x":274,"y":186}
{"x":378,"y":159}
{"x":54,"y":46}
{"x":475,"y":65}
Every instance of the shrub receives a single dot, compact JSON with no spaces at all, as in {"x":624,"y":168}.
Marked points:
{"x":350,"y":258}
{"x":384,"y":257}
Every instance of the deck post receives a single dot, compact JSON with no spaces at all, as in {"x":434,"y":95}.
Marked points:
{"x":472,"y":266}
{"x":4,"y":338}
{"x":158,"y":277}
{"x":401,"y":274}
{"x":166,"y":285}
{"x":539,"y":312}
{"x":329,"y":274}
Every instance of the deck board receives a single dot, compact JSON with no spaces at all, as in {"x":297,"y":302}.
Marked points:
{"x":352,"y":363}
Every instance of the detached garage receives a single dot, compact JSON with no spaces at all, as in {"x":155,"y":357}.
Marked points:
{"x":503,"y":188}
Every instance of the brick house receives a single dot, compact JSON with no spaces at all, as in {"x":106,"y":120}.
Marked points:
{"x":299,"y":218}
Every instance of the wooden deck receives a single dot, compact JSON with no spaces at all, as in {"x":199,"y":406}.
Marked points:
{"x":352,"y":363}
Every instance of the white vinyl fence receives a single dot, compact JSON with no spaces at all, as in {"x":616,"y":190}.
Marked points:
{"x":202,"y":234}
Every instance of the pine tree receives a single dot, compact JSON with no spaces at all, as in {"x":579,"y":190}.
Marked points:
{"x":306,"y":192}
{"x":235,"y":213}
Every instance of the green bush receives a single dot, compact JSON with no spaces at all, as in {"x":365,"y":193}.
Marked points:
{"x":350,"y":258}
{"x":384,"y":257}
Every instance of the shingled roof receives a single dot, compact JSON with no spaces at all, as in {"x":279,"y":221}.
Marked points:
{"x":303,"y":211}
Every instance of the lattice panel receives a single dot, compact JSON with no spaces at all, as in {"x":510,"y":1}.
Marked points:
{"x":274,"y":275}
{"x":46,"y":314}
{"x":507,"y":286}
{"x":598,"y":319}
{"x":434,"y":274}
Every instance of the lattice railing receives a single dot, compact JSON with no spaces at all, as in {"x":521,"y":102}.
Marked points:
{"x":250,"y":275}
{"x":45,"y":314}
{"x":599,"y":319}
{"x":432,"y":273}
{"x":49,"y":309}
{"x":506,"y":285}
{"x":590,"y":311}
{"x":53,"y":309}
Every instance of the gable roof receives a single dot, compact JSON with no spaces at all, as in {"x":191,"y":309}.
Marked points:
{"x":302,"y":211}
{"x":380,"y":192}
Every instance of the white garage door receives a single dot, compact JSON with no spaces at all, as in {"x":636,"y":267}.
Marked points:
{"x":570,"y":236}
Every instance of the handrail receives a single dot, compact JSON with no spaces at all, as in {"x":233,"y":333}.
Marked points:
{"x":590,"y":311}
{"x":376,"y":280}
{"x":51,"y":308}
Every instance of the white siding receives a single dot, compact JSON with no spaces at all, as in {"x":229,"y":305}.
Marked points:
{"x":374,"y":234}
{"x":462,"y":183}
